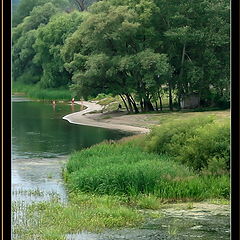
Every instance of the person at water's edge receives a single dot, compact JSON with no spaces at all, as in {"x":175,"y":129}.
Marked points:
{"x":119,"y":106}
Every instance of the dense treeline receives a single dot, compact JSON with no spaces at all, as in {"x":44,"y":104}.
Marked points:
{"x":139,"y":50}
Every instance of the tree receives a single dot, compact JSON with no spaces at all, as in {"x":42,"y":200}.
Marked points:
{"x":119,"y":59}
{"x":82,"y":5}
{"x":49,"y":42}
{"x":197,"y":47}
{"x":24,"y":36}
{"x":24,"y":69}
{"x":25,"y":7}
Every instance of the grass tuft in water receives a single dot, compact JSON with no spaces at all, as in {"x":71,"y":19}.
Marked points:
{"x":53,"y":220}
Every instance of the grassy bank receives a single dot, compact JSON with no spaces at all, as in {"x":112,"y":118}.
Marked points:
{"x":124,"y":169}
{"x":177,"y":160}
{"x":35,"y":92}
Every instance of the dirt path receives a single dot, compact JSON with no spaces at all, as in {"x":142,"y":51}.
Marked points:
{"x":95,"y":119}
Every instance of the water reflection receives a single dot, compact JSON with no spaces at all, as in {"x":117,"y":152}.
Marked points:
{"x":41,"y":143}
{"x":39,"y":131}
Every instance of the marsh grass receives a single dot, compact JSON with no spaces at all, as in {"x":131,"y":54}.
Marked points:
{"x":35,"y":193}
{"x":28,"y":192}
{"x":125,"y":169}
{"x":53,"y":220}
{"x":176,"y":226}
{"x":35,"y":92}
{"x":148,"y":202}
{"x":154,"y":180}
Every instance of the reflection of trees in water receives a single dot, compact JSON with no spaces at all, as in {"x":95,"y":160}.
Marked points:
{"x":37,"y":129}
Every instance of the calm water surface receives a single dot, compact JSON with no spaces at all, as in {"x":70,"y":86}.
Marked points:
{"x":38,"y":130}
{"x":41,"y":143}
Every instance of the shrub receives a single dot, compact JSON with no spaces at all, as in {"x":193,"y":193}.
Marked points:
{"x":200,"y":143}
{"x":209,"y":148}
{"x":170,"y":137}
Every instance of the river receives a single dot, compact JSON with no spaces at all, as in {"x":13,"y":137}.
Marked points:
{"x":41,"y":144}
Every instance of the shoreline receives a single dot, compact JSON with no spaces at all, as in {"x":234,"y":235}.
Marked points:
{"x":87,"y":118}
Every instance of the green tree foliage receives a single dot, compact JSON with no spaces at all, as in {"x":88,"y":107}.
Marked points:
{"x":24,"y":70}
{"x":131,"y":48}
{"x":25,"y":7}
{"x":15,"y":4}
{"x":196,"y":38}
{"x":118,"y":59}
{"x":23,"y":37}
{"x":49,"y":41}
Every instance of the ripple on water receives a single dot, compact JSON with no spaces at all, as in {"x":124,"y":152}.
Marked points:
{"x":38,"y":179}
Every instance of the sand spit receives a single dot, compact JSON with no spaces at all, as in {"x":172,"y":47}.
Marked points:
{"x":89,"y":118}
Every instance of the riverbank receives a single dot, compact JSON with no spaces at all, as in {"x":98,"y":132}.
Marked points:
{"x":135,"y":172}
{"x":37,"y":93}
{"x":89,"y":117}
{"x":136,"y":123}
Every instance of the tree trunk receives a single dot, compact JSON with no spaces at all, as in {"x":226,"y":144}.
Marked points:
{"x":134,"y":104}
{"x":156,"y":105}
{"x":141,"y":104}
{"x":160,"y":100}
{"x":124,"y":102}
{"x":180,"y":90}
{"x":80,"y":4}
{"x":148,"y":105}
{"x":129,"y":103}
{"x":170,"y":95}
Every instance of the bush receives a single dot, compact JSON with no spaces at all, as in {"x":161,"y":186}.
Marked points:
{"x":200,"y":143}
{"x":208,"y":149}
{"x":101,"y":96}
{"x":170,"y":137}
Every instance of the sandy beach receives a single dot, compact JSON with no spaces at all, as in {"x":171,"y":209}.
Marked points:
{"x":94,"y":116}
{"x":117,"y":120}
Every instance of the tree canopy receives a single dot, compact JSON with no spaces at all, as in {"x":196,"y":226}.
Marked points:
{"x":136,"y":49}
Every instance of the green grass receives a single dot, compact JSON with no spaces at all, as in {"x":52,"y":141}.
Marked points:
{"x":167,"y":116}
{"x":35,"y":92}
{"x":53,"y":220}
{"x":86,"y":212}
{"x":109,"y":102}
{"x":125,"y":169}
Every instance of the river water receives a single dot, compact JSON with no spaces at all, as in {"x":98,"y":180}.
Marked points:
{"x":41,"y":143}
